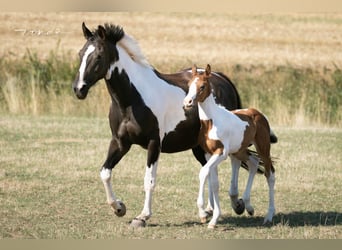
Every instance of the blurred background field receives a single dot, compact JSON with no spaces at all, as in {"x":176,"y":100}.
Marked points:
{"x":287,"y":65}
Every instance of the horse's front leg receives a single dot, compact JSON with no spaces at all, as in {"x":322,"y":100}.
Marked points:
{"x":206,"y":170}
{"x":115,"y":153}
{"x":149,"y":183}
{"x":214,"y":187}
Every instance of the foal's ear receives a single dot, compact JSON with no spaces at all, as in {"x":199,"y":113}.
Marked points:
{"x":86,"y":32}
{"x":208,"y":70}
{"x":194,"y":70}
{"x":102,"y":32}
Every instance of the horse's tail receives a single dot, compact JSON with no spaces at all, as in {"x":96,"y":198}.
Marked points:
{"x":261,"y":166}
{"x":273,"y":137}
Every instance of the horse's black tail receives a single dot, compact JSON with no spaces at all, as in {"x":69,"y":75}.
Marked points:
{"x":261,"y":168}
{"x":273,"y":137}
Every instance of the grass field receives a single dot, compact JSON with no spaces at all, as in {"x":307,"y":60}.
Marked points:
{"x":287,"y":65}
{"x":50,"y":186}
{"x":52,"y":145}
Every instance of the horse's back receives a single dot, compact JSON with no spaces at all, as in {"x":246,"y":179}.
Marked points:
{"x":225,"y":92}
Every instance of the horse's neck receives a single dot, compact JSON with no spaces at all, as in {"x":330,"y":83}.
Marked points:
{"x":207,"y":108}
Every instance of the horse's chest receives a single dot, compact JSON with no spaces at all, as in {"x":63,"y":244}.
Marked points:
{"x":214,"y":137}
{"x":207,"y":139}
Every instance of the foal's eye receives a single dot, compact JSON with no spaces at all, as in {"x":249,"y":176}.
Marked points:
{"x":202,"y":88}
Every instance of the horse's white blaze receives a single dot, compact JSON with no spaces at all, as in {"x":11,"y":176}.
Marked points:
{"x":83,"y":66}
{"x":152,"y":89}
{"x":192,"y":92}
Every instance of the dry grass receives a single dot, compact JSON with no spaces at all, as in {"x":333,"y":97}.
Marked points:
{"x":306,"y":40}
{"x":50,"y":186}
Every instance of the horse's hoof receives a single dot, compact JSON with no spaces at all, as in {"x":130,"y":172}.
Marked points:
{"x":209,"y":213}
{"x":138,"y":223}
{"x":267,"y":223}
{"x":203,"y":220}
{"x":250,"y":211}
{"x":240,"y":207}
{"x":210,"y":226}
{"x":122,"y":211}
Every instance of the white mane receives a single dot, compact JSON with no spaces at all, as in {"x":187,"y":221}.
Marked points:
{"x":132,"y":48}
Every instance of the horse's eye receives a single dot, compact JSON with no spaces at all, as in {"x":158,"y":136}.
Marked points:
{"x":202,"y":88}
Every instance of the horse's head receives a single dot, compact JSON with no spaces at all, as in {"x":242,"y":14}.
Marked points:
{"x":199,"y":87}
{"x":97,"y":54}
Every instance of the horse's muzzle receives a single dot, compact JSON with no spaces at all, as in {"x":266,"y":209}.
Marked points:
{"x":187,"y":107}
{"x":187,"y":103}
{"x":80,"y":90}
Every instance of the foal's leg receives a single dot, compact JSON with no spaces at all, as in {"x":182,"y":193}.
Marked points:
{"x":252,"y":163}
{"x":115,"y":153}
{"x":270,"y":176}
{"x":203,"y":158}
{"x":263,"y":147}
{"x":237,"y":204}
{"x":203,"y":175}
{"x":214,"y":187}
{"x":149,"y":183}
{"x":271,"y":206}
{"x":210,"y":206}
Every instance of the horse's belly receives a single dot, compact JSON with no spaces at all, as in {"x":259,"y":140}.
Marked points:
{"x":184,"y":137}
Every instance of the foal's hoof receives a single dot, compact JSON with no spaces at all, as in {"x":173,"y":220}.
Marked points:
{"x":239,"y":207}
{"x":122,"y":211}
{"x":138,"y":223}
{"x":211,"y":227}
{"x":250,"y":211}
{"x":203,"y":220}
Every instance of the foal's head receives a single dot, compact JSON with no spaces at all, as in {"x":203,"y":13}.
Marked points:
{"x":199,"y":87}
{"x":97,"y":54}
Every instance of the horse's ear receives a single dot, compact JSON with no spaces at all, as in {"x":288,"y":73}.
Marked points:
{"x":208,"y":70}
{"x":86,"y":32}
{"x":102,"y":32}
{"x":194,"y":69}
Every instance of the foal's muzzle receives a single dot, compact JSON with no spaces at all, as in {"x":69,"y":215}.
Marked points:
{"x":188,"y":103}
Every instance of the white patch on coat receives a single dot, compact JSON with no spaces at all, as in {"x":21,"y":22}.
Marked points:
{"x":165,"y":100}
{"x":83,"y":66}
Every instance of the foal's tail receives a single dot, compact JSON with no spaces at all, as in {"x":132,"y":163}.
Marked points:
{"x":261,"y":167}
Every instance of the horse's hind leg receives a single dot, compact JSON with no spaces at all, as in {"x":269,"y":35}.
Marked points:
{"x":263,"y":147}
{"x":252,"y":170}
{"x":270,"y":176}
{"x":236,"y":203}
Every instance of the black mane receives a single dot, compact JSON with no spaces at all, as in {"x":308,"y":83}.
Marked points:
{"x":114,"y":33}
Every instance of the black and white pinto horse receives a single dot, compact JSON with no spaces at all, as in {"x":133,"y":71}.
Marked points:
{"x":146,"y":106}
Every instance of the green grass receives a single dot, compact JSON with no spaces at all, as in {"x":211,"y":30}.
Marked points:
{"x":287,"y":94}
{"x":50,"y":185}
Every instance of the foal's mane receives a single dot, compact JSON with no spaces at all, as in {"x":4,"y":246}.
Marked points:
{"x":116,"y":34}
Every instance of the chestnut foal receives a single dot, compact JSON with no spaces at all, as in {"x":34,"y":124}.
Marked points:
{"x":229,"y":133}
